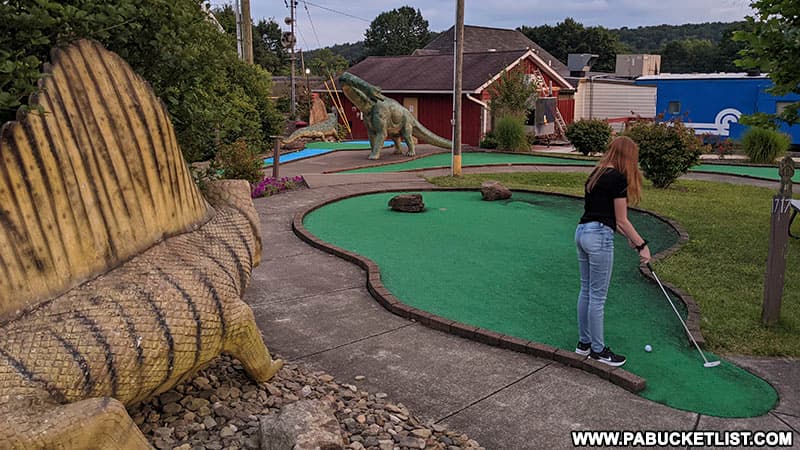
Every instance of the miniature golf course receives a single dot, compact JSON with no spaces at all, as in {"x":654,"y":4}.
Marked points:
{"x":510,"y":266}
{"x":485,"y":158}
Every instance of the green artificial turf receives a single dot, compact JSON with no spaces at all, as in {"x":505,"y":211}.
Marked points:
{"x":510,"y":266}
{"x":471,"y":159}
{"x":484,"y":158}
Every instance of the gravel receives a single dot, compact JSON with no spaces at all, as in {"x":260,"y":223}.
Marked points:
{"x":218,"y":409}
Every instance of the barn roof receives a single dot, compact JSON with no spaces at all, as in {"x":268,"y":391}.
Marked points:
{"x":434,"y":73}
{"x":482,"y":39}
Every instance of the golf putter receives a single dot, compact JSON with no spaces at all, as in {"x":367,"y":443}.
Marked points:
{"x":707,"y":362}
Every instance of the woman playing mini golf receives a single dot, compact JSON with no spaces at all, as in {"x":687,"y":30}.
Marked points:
{"x":613,"y":184}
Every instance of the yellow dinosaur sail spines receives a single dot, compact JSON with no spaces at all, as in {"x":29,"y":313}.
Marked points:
{"x":93,"y":179}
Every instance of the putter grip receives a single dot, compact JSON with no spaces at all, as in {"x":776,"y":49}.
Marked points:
{"x":649,"y":266}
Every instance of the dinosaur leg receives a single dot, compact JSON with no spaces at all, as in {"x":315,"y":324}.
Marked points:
{"x":244,"y":343}
{"x":407,"y":135}
{"x":95,"y":423}
{"x":376,"y":142}
{"x":398,"y":145}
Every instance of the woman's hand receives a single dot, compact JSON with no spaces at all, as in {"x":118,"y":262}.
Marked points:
{"x":644,"y":255}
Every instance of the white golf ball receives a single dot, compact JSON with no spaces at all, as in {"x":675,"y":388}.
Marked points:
{"x":647,"y":348}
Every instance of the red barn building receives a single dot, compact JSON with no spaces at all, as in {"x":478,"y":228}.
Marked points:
{"x":423,"y":82}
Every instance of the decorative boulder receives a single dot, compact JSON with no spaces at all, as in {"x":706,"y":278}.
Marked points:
{"x":302,"y":425}
{"x":407,"y":203}
{"x":493,"y":190}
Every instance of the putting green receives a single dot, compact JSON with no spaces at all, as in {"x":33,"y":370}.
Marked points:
{"x":483,"y":158}
{"x":471,"y":159}
{"x":510,"y":266}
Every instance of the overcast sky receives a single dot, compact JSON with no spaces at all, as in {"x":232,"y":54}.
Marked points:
{"x":352,"y":17}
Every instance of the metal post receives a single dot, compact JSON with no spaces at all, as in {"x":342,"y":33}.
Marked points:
{"x":458,"y":64}
{"x":276,"y":157}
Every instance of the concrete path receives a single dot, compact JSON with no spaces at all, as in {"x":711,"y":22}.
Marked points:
{"x":314,"y":307}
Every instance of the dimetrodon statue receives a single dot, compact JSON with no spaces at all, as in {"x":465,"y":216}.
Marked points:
{"x":118,"y":278}
{"x":385,"y":117}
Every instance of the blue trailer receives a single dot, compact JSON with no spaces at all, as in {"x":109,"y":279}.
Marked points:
{"x":713,"y":102}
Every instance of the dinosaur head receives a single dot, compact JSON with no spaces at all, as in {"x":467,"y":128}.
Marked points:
{"x":361,"y":93}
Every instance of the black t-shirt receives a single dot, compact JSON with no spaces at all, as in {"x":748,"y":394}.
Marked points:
{"x":598,"y":205}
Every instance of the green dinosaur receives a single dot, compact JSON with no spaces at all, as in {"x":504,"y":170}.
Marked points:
{"x":385,"y":117}
{"x":321,"y":130}
{"x":118,"y":279}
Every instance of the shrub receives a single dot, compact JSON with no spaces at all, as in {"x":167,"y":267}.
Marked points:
{"x":763,"y":145}
{"x":212,"y":97}
{"x":589,"y":135}
{"x":510,"y":134}
{"x":238,"y":162}
{"x":488,"y":141}
{"x":666,"y":150}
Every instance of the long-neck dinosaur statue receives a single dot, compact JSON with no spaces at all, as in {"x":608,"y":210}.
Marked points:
{"x":322,"y":130}
{"x":384,"y":117}
{"x":118,"y":279}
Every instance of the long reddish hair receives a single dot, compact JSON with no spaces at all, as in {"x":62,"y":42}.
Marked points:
{"x":623,"y":155}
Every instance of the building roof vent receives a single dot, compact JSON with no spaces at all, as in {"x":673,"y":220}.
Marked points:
{"x":579,"y":64}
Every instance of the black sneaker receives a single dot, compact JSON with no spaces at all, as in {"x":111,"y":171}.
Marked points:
{"x":583,"y":349}
{"x":608,"y":357}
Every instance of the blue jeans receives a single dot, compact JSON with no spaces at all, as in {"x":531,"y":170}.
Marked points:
{"x":595,"y":243}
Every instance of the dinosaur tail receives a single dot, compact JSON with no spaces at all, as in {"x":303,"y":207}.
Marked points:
{"x":420,"y":132}
{"x":95,"y":180}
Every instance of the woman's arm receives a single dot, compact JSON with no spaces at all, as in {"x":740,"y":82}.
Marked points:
{"x":625,"y":227}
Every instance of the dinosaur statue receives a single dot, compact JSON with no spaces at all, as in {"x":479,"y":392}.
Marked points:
{"x":118,"y":279}
{"x":385,"y":117}
{"x":321,"y":130}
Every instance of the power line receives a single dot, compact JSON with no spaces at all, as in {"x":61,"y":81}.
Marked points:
{"x":337,"y":12}
{"x":313,"y":28}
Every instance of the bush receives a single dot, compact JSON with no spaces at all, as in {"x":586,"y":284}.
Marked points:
{"x":212,"y":97}
{"x":238,"y":161}
{"x":666,"y":150}
{"x":763,"y":146}
{"x":510,"y":134}
{"x":589,"y":135}
{"x":488,"y":141}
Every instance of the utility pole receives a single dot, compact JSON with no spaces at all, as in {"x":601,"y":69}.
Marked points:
{"x":292,"y":109}
{"x":458,"y":65}
{"x":247,"y":32}
{"x":238,"y":14}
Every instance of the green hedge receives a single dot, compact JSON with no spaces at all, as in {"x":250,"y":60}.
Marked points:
{"x":213,"y":98}
{"x":666,"y":150}
{"x":509,"y":132}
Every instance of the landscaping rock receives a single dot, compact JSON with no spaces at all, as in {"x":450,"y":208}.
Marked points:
{"x":232,"y":418}
{"x":493,"y":190}
{"x":309,"y":424}
{"x":407,"y":203}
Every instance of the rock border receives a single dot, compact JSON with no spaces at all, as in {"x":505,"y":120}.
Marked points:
{"x":618,"y":376}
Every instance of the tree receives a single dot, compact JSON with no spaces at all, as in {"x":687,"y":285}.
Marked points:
{"x":571,"y":36}
{"x":325,"y":62}
{"x":268,"y":52}
{"x":689,"y":55}
{"x":212,"y":97}
{"x":397,"y":32}
{"x":771,"y":45}
{"x":512,"y":95}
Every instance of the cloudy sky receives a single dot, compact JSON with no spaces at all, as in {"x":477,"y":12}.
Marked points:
{"x":326,"y":22}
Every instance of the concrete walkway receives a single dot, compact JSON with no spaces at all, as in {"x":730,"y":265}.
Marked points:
{"x":314,"y":307}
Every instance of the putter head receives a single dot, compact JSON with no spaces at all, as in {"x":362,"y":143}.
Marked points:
{"x":711,"y":364}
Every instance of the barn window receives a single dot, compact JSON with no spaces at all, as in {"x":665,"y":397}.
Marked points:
{"x":674,"y":107}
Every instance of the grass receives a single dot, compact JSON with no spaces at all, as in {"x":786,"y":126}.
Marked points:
{"x":723,"y":264}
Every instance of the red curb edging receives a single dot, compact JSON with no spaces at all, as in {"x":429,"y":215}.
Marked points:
{"x":375,"y":287}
